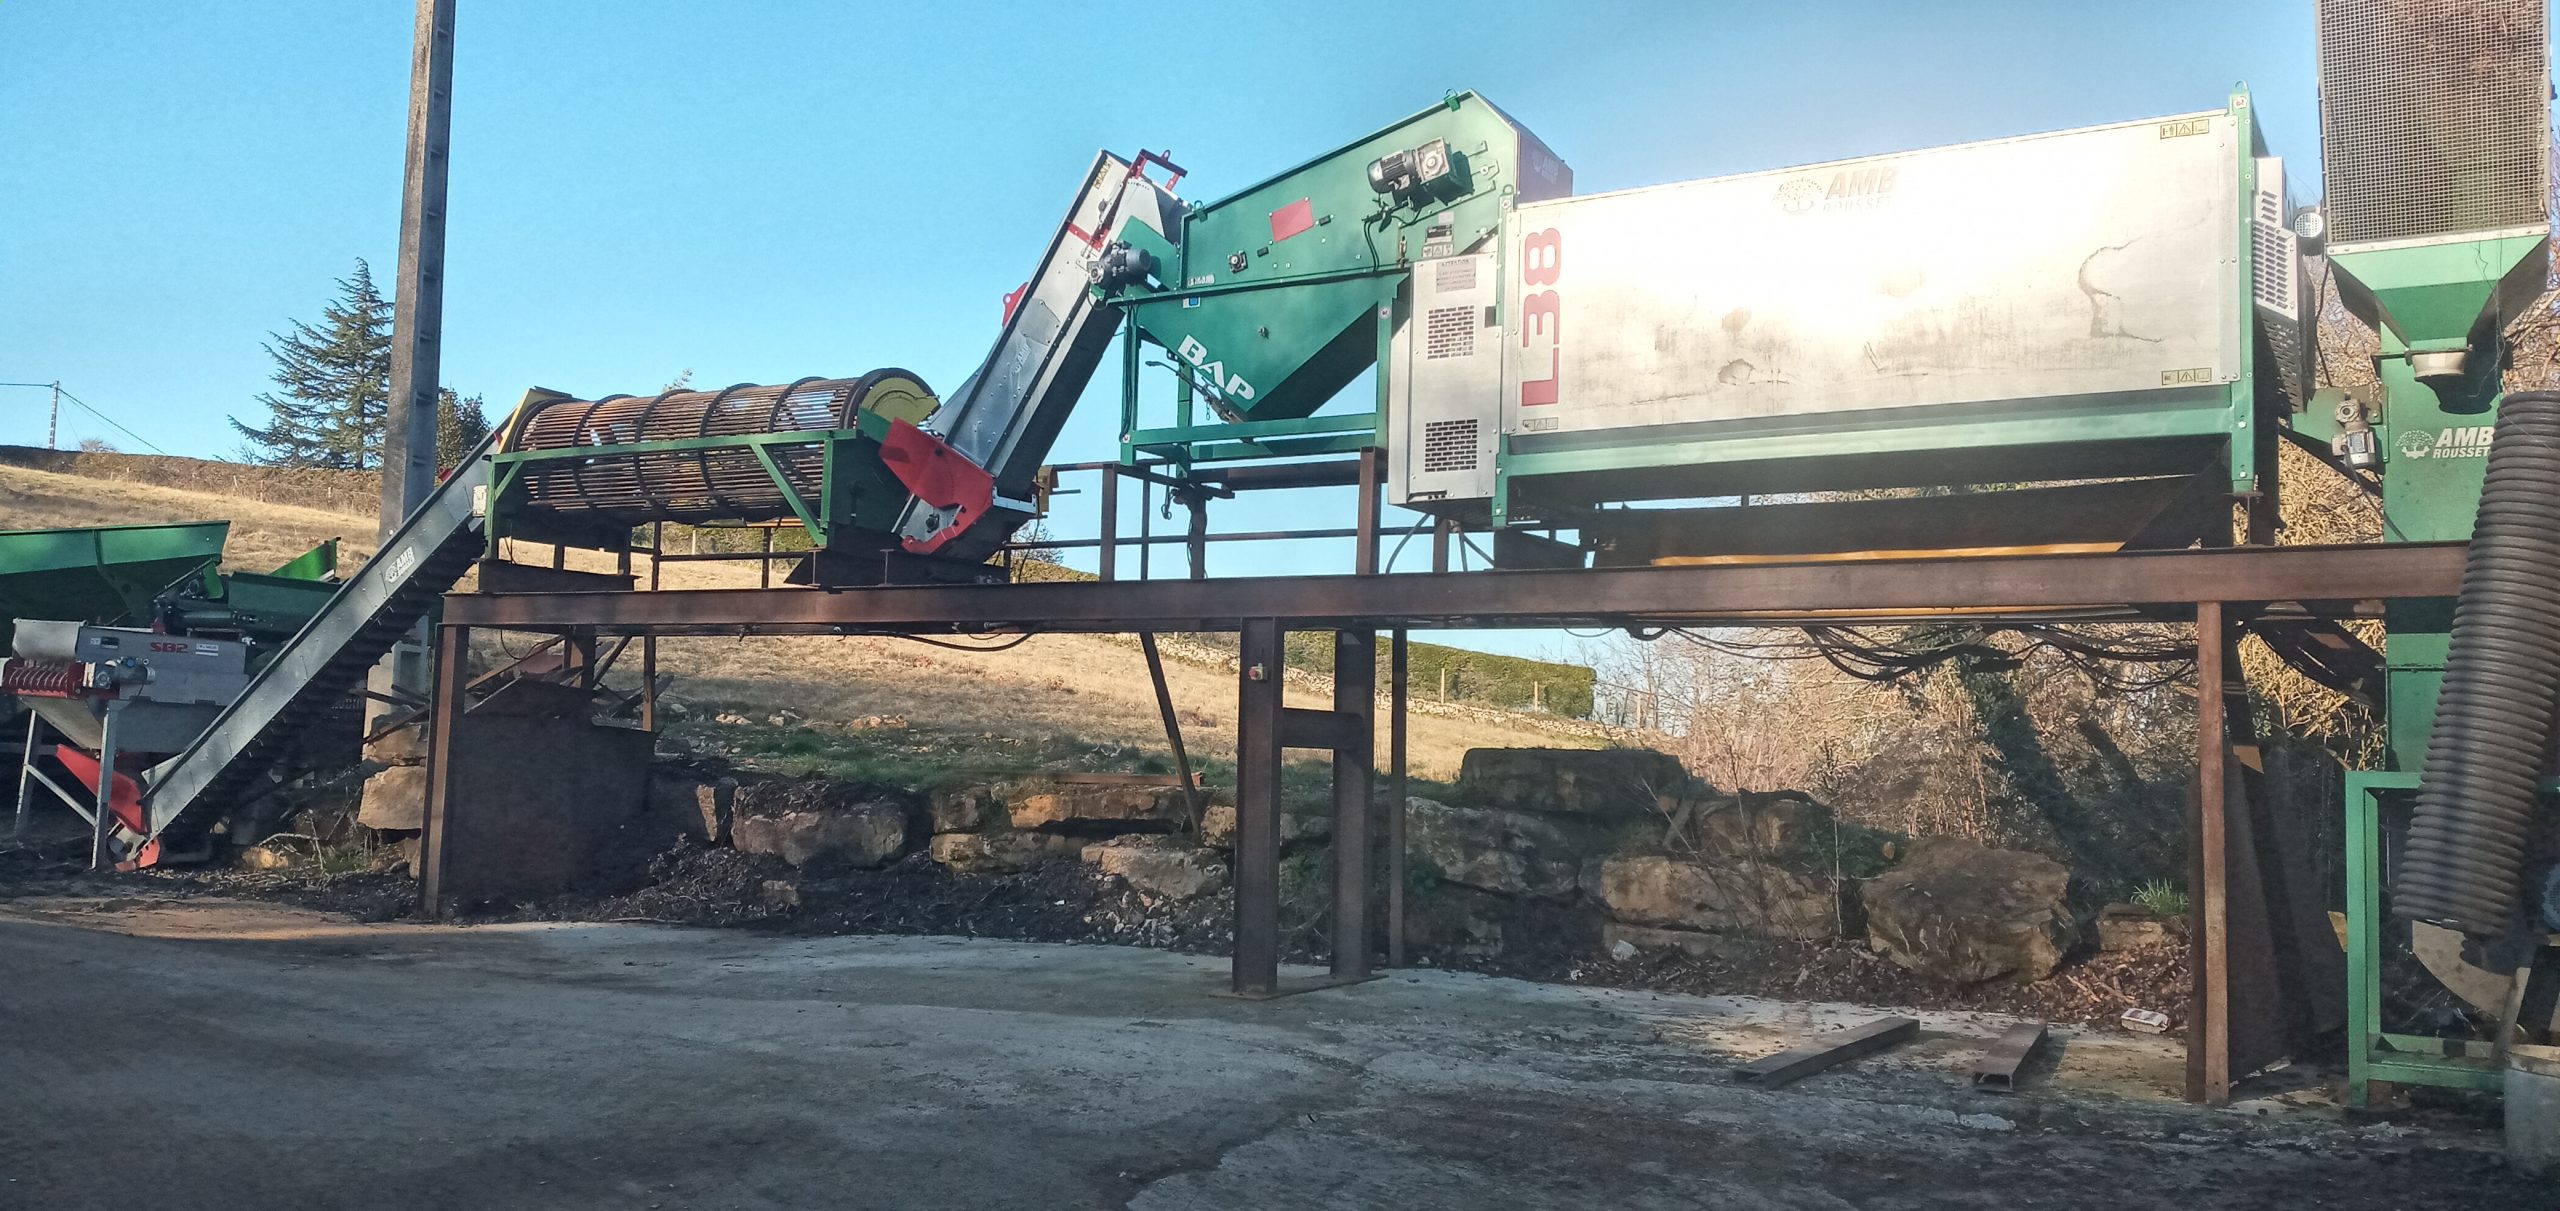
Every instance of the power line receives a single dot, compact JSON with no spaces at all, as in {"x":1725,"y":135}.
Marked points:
{"x":86,"y":407}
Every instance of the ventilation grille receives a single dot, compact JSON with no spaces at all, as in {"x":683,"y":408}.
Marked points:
{"x":1456,"y":273}
{"x":1449,"y":445}
{"x":2434,"y":117}
{"x":2271,"y":244}
{"x":1448,"y":332}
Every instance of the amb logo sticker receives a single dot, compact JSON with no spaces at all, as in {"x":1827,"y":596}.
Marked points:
{"x":1847,"y":189}
{"x":2453,"y":441}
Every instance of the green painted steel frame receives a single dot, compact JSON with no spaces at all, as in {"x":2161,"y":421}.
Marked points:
{"x":828,"y":515}
{"x":2374,"y":1054}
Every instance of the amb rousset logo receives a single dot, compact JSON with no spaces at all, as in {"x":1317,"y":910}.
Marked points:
{"x":2452,"y":441}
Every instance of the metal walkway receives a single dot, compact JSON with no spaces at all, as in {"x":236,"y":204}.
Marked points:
{"x":330,"y":656}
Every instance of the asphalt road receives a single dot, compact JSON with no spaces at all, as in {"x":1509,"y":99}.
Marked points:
{"x":204,"y":1054}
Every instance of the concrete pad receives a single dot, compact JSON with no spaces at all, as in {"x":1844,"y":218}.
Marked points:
{"x":220,"y":1054}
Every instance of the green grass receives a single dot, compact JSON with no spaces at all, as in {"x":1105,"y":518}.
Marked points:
{"x":2163,"y":897}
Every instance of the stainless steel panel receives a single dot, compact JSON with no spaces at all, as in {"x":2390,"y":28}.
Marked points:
{"x":1447,"y":361}
{"x":2088,"y":262}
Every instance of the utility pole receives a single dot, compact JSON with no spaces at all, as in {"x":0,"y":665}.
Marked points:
{"x":417,"y":322}
{"x":53,"y":420}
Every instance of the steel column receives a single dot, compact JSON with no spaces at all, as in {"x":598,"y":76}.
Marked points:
{"x":1196,"y":539}
{"x":1396,"y":796}
{"x":452,"y":661}
{"x":2208,"y":924}
{"x":1110,"y":532}
{"x":1256,"y":970}
{"x":1355,"y":695}
{"x":1373,"y":474}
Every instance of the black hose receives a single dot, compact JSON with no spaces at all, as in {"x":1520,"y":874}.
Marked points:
{"x":2464,"y":866}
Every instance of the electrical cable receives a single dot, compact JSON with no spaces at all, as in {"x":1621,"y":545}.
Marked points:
{"x":1009,"y":645}
{"x":92,"y":410}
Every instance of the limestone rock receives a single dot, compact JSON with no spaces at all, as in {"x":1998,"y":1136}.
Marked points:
{"x":400,"y":746}
{"x":1963,"y":912}
{"x":862,"y":834}
{"x":1763,"y":827}
{"x":1218,"y":827}
{"x":967,"y":808}
{"x":1735,"y":897}
{"x":259,"y":857}
{"x":1094,"y":808}
{"x":1508,"y":853}
{"x":1637,"y":938}
{"x":1610,"y":783}
{"x":395,"y":798}
{"x":988,"y":853}
{"x":2132,"y":927}
{"x":1159,"y":870}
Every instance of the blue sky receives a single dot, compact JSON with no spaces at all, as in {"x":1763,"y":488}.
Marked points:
{"x":761,"y":191}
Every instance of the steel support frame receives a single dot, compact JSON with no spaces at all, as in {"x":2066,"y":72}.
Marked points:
{"x":2346,"y":581}
{"x":2213,"y":586}
{"x":2375,"y":1055}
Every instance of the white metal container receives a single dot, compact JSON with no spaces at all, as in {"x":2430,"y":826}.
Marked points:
{"x":2532,"y":1096}
{"x":2088,"y":265}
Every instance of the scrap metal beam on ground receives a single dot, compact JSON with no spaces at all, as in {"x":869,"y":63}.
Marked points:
{"x":1769,"y":1072}
{"x":2344,"y":580}
{"x":1997,"y":1070}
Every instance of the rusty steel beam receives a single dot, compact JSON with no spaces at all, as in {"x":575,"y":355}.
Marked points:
{"x":1997,"y":1070}
{"x":1172,"y":728}
{"x":1769,"y":1072}
{"x":2344,"y":580}
{"x":1396,"y":678}
{"x":1355,"y":685}
{"x":1255,"y":969}
{"x":2209,"y":911}
{"x":1307,"y":727}
{"x":451,"y":668}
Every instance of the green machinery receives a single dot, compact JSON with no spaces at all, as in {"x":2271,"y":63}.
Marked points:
{"x":102,"y":573}
{"x":126,"y":641}
{"x":2435,"y":129}
{"x":140,"y":575}
{"x":2116,"y":303}
{"x":1272,"y":300}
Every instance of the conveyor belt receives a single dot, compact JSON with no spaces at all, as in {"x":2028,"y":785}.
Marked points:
{"x":328,"y":658}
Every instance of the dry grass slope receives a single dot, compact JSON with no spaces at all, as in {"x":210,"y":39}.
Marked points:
{"x":1092,"y":689}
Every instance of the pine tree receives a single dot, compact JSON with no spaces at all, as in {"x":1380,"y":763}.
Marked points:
{"x":336,"y":382}
{"x":460,"y":427}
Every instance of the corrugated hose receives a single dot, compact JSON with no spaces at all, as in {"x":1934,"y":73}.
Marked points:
{"x":2464,"y":866}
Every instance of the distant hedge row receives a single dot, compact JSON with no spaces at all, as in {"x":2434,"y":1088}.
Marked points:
{"x":1510,"y":682}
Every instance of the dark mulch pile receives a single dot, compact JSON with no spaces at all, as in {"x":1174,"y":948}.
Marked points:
{"x":1060,"y":900}
{"x":1065,"y":900}
{"x":61,"y":868}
